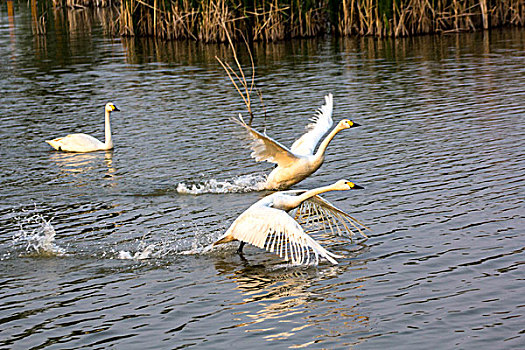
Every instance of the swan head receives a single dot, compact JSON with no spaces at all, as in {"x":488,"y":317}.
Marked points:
{"x":110,"y":107}
{"x":347,"y":124}
{"x":344,"y":185}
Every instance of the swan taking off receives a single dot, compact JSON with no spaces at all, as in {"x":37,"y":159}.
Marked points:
{"x":300,"y":161}
{"x":85,"y":143}
{"x":268,"y":224}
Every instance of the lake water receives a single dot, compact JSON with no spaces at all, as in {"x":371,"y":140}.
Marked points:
{"x":105,"y":250}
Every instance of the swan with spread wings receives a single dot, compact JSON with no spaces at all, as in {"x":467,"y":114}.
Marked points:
{"x":275,"y":222}
{"x":300,"y":161}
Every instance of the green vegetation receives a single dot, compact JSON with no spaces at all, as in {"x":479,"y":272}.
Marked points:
{"x":270,"y":20}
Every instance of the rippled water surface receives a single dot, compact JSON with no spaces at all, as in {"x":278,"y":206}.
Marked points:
{"x":105,"y":250}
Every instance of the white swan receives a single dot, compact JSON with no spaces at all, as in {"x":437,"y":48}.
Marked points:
{"x":82,"y":143}
{"x":267,"y":224}
{"x":300,"y":161}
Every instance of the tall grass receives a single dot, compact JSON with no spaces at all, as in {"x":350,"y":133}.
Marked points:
{"x":410,"y":17}
{"x":209,"y":20}
{"x":271,"y":20}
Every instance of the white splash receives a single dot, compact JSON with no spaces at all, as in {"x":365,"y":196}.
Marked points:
{"x":196,"y":250}
{"x":243,"y":183}
{"x":139,"y":254}
{"x":146,"y":250}
{"x":199,"y":243}
{"x":40,"y":239}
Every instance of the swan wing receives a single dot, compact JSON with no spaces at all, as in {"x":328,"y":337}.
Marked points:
{"x":266,"y":148}
{"x":320,"y":124}
{"x":277,"y":232}
{"x":316,"y":212}
{"x":76,"y":143}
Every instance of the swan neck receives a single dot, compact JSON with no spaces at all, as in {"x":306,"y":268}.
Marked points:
{"x":109,"y":141}
{"x":309,"y":194}
{"x":326,"y":141}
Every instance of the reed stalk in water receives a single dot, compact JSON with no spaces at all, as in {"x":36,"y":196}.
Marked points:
{"x":240,"y":78}
{"x":412,"y":17}
{"x":271,"y":20}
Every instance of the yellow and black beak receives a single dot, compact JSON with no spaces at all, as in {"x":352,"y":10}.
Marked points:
{"x":115,"y":108}
{"x":353,"y":186}
{"x":354,"y":124}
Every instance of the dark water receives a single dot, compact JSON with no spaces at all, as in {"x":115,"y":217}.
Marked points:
{"x":441,"y":152}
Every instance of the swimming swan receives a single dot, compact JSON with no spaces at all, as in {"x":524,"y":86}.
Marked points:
{"x":268,"y":224}
{"x":82,"y":143}
{"x":300,"y":161}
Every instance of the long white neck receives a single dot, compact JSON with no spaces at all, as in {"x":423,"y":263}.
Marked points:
{"x":326,"y":141}
{"x":296,"y":201}
{"x":109,"y":141}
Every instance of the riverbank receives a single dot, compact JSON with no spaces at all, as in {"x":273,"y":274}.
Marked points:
{"x":272,"y":20}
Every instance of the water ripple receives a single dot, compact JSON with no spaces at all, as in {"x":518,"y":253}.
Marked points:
{"x":109,"y":249}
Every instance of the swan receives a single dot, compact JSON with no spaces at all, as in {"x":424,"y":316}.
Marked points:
{"x":82,"y":143}
{"x":268,"y":224}
{"x":300,"y":161}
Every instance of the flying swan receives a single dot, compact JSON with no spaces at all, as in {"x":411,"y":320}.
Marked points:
{"x":268,"y":224}
{"x":83,"y":143}
{"x":300,"y":161}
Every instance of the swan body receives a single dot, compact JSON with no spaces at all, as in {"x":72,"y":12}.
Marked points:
{"x":83,"y":143}
{"x":300,"y":161}
{"x":268,"y":224}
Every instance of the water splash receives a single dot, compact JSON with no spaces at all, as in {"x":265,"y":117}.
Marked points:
{"x":38,"y":236}
{"x":146,"y":250}
{"x":199,"y":243}
{"x":146,"y":253}
{"x":243,"y":183}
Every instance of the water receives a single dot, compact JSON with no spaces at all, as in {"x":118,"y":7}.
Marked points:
{"x":108,"y":249}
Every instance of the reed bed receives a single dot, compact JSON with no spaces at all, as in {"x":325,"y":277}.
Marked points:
{"x":398,"y":18}
{"x":215,"y":20}
{"x":272,"y":20}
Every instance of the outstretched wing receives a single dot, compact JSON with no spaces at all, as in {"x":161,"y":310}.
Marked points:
{"x":266,"y":148}
{"x":321,"y":123}
{"x":317,"y":213}
{"x":277,"y":232}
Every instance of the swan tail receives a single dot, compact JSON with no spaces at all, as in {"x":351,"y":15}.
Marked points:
{"x":227,"y":237}
{"x":54,"y":143}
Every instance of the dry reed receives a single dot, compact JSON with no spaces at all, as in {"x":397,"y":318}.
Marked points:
{"x":398,"y":18}
{"x":272,"y":20}
{"x":237,"y":77}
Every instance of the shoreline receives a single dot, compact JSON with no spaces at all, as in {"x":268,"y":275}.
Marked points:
{"x":270,"y":20}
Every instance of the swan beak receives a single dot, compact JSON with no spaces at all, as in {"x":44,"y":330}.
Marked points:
{"x":357,"y":187}
{"x":115,"y":108}
{"x":354,"y":124}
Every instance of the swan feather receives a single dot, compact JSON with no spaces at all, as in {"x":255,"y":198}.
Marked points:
{"x":321,"y":123}
{"x":276,"y":231}
{"x":76,"y":143}
{"x":265,"y":148}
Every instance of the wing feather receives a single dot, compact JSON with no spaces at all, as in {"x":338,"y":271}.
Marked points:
{"x":265,"y":148}
{"x":318,"y":211}
{"x":276,"y":231}
{"x":320,"y":124}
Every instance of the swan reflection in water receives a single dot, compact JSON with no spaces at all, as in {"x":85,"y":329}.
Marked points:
{"x":286,"y":294}
{"x":84,"y":163}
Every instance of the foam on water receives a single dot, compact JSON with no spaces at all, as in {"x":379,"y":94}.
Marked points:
{"x":200,"y":243}
{"x":243,"y":183}
{"x":146,"y":250}
{"x":38,"y":236}
{"x":139,"y":254}
{"x":162,"y":249}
